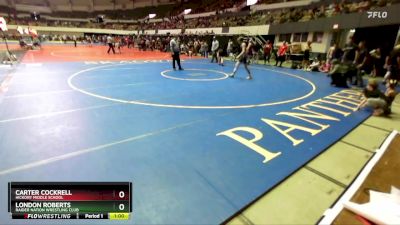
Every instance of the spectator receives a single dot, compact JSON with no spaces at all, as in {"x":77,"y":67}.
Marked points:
{"x":204,"y":49}
{"x":252,"y":52}
{"x":376,"y":100}
{"x":349,"y":51}
{"x":324,"y":67}
{"x":348,"y":58}
{"x":229,"y":48}
{"x":333,"y":53}
{"x":64,"y":38}
{"x":74,"y":39}
{"x":90,"y":41}
{"x":214,"y":49}
{"x":190,"y":48}
{"x":390,"y":95}
{"x":376,"y":57}
{"x":118,"y":44}
{"x":219,"y":57}
{"x":315,"y":65}
{"x":339,"y":74}
{"x":196,"y":46}
{"x":306,"y":57}
{"x":281,"y":54}
{"x":267,"y":51}
{"x":362,"y":62}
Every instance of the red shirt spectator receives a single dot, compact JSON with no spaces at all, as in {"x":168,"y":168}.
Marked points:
{"x":267,"y":48}
{"x":282,"y":50}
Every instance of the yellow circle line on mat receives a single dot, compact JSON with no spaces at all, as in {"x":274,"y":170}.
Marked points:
{"x":163,"y":73}
{"x":191,"y":106}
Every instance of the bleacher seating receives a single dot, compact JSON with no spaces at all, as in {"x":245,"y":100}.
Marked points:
{"x":172,"y":20}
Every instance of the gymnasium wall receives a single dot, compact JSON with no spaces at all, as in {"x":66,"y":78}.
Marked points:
{"x":321,"y":46}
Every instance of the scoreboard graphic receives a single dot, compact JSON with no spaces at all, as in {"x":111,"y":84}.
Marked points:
{"x":70,"y":200}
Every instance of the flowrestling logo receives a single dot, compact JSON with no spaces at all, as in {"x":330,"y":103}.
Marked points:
{"x":377,"y":14}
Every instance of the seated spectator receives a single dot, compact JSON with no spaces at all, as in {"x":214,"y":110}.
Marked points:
{"x":184,"y":49}
{"x":315,"y":65}
{"x":381,"y":3}
{"x":307,"y":16}
{"x":342,"y":7}
{"x":374,"y":98}
{"x":353,"y":7}
{"x":324,"y":67}
{"x":364,"y":6}
{"x":390,"y":95}
{"x":320,"y":13}
{"x":330,"y":11}
{"x":339,"y":74}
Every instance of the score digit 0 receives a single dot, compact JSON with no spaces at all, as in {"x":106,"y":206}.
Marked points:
{"x":121,"y":194}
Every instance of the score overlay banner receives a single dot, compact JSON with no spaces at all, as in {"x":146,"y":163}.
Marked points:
{"x":70,"y":200}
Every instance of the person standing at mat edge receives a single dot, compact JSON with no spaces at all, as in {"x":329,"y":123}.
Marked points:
{"x":282,"y":54}
{"x":74,"y":39}
{"x":214,"y":49}
{"x":110,"y":42}
{"x":242,"y":57}
{"x":175,"y":51}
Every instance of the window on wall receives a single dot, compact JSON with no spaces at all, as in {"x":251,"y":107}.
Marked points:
{"x":317,"y":37}
{"x":300,"y":37}
{"x":304,"y":37}
{"x":284,"y":37}
{"x":297,"y":37}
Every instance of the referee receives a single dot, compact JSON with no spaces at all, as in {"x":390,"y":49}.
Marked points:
{"x":175,"y":51}
{"x":110,"y":42}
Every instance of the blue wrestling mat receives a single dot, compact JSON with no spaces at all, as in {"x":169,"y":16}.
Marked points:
{"x":197,"y":145}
